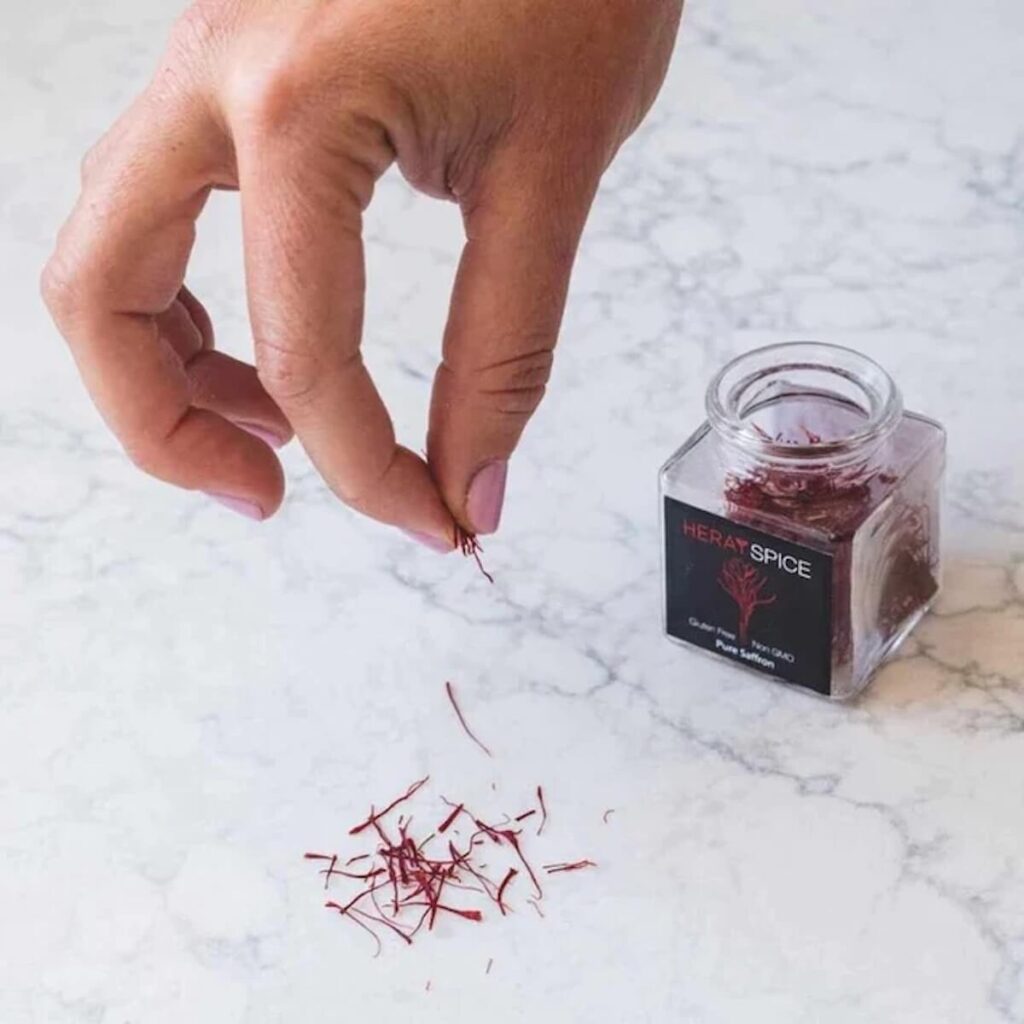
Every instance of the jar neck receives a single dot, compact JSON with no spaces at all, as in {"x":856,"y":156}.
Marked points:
{"x":803,"y":409}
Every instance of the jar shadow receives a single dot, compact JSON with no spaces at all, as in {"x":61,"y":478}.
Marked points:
{"x":968,"y":651}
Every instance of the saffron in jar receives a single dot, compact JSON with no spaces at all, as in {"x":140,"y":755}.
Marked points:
{"x":801,"y":522}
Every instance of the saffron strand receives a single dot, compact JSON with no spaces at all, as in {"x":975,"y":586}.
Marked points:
{"x":450,"y":690}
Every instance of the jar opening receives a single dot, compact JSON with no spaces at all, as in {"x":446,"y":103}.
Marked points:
{"x":803,"y":400}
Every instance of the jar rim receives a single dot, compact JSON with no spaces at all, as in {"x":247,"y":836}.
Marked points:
{"x":882,"y":405}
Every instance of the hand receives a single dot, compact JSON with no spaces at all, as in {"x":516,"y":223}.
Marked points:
{"x":512,"y":109}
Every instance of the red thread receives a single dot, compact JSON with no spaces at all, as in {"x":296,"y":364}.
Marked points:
{"x":462,"y":719}
{"x":554,"y":869}
{"x":470,"y":547}
{"x":374,"y":818}
{"x":447,"y":823}
{"x":501,"y":889}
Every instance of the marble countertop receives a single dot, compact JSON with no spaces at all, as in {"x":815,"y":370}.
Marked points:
{"x":189,"y":701}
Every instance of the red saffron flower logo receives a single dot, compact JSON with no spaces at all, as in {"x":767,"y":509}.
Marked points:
{"x":745,"y":585}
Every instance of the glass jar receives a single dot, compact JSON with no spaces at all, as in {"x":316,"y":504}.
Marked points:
{"x":801,"y":521}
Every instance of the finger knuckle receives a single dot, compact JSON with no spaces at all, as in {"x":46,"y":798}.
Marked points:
{"x":261,"y":101}
{"x":365,"y":481}
{"x":290,"y":376}
{"x":285,"y":90}
{"x":265,"y":96}
{"x":196,"y":30}
{"x":89,"y":162}
{"x":61,"y":287}
{"x":148,"y":455}
{"x":154,"y":446}
{"x":517,"y":384}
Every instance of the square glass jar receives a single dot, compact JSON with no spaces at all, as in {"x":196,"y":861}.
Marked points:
{"x":801,"y":522}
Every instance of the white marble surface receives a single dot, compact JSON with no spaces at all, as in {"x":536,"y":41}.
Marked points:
{"x":188,"y":701}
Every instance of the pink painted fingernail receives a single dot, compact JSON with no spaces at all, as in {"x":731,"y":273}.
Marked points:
{"x":262,"y":433}
{"x":486,"y":496}
{"x":249,"y":509}
{"x":427,"y":540}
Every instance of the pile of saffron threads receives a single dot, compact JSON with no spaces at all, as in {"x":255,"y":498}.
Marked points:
{"x":404,"y":884}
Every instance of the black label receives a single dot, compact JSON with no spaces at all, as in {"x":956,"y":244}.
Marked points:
{"x":749,"y":596}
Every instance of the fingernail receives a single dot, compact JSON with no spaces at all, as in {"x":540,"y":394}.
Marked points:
{"x":486,"y":496}
{"x":434,"y":543}
{"x":249,"y":509}
{"x":268,"y":436}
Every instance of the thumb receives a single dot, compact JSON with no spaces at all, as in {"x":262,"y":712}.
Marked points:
{"x":521,"y":239}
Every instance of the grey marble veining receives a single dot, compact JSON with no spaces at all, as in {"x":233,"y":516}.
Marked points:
{"x":189,"y":701}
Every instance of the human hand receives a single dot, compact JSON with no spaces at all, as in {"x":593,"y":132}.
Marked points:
{"x":511,"y":109}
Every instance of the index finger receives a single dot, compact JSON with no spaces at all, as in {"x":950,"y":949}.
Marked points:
{"x":302,"y":217}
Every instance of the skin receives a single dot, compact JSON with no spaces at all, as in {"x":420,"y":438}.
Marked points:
{"x":511,"y":109}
